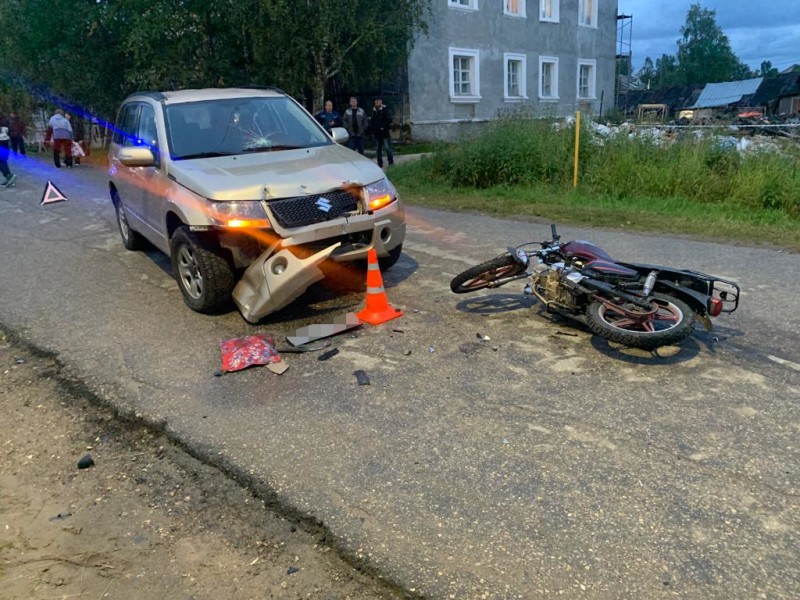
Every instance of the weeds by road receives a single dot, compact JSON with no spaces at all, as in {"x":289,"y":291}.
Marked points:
{"x":696,"y":187}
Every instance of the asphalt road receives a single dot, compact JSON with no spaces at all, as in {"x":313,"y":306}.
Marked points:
{"x":542,"y":462}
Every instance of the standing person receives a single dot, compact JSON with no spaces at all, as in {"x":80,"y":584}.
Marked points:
{"x":62,"y":138}
{"x":5,"y":142}
{"x":328,"y":117}
{"x":16,"y":131}
{"x":355,"y":121}
{"x":380,"y":122}
{"x":77,"y":136}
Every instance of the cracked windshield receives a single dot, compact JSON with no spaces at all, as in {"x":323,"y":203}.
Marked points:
{"x":238,"y":126}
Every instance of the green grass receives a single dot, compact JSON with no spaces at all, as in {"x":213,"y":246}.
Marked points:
{"x":523,"y":167}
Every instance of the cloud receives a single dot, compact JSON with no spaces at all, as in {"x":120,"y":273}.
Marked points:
{"x":757,"y":31}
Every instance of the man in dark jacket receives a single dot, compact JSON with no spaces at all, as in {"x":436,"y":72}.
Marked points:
{"x":380,"y":123}
{"x":329,"y":118}
{"x":16,"y":133}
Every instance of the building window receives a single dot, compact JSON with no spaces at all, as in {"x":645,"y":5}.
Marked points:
{"x":465,"y":4}
{"x":587,"y":13}
{"x":548,"y":78}
{"x":464,"y":75}
{"x":586,"y":79}
{"x":548,"y":10}
{"x":515,"y":8}
{"x":514,"y":77}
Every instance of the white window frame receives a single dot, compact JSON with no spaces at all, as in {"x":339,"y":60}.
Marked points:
{"x":463,"y":4}
{"x":553,"y":60}
{"x":508,"y":12}
{"x":554,"y":5}
{"x":521,"y":74}
{"x":475,"y":71}
{"x":592,"y":83}
{"x":582,"y":13}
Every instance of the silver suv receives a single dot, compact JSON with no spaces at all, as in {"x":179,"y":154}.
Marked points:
{"x":247,"y":194}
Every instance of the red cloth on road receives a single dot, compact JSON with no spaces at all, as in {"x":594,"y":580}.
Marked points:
{"x":240,"y":353}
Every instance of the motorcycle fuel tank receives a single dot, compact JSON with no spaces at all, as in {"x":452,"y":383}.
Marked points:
{"x":585,"y":250}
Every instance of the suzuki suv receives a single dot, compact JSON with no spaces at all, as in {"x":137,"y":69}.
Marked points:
{"x":243,"y":185}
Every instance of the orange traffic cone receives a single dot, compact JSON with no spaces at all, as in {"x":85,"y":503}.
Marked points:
{"x":378,"y":310}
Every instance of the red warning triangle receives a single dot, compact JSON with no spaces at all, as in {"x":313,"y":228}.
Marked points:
{"x":52,"y":194}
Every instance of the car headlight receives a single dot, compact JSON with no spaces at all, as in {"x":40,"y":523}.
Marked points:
{"x":238,"y":214}
{"x":380,"y":194}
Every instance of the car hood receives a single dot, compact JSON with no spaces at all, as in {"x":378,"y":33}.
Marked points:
{"x":278,"y":174}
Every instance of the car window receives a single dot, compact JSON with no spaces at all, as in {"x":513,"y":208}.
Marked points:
{"x":147,"y":134}
{"x":126,"y":130}
{"x":238,"y":126}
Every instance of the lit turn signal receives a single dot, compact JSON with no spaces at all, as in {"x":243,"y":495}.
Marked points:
{"x":379,"y":202}
{"x":241,"y":223}
{"x":379,"y":194}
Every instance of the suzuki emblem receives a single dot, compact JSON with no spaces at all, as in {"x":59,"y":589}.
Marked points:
{"x":323,"y":204}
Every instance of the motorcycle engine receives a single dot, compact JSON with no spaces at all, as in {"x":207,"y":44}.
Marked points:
{"x":548,"y":285}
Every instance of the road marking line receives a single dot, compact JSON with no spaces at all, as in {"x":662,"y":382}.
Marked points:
{"x":784,"y":362}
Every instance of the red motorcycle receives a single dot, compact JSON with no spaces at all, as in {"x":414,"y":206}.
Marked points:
{"x":638,"y":305}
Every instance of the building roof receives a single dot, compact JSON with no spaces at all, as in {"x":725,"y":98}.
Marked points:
{"x":675,"y":97}
{"x":775,"y":88}
{"x":723,"y":94}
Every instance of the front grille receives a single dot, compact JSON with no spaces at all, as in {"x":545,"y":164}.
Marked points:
{"x":306,"y":210}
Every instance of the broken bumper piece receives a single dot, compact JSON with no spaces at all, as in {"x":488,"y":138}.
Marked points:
{"x":273,"y":281}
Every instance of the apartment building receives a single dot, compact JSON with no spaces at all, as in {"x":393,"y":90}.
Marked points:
{"x":482,"y":56}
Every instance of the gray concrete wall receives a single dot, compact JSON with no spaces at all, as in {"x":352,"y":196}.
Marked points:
{"x":433,"y":115}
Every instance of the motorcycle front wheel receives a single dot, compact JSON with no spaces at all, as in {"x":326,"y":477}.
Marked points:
{"x":668,"y":322}
{"x":492,"y":273}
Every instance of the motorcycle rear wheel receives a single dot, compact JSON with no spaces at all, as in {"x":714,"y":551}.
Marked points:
{"x":495,"y":272}
{"x":670,"y":324}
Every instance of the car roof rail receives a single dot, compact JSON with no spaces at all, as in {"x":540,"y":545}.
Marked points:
{"x":154,"y":95}
{"x":263,"y":87}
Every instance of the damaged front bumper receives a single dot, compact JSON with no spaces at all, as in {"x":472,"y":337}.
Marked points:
{"x":279,"y":276}
{"x":275,"y":279}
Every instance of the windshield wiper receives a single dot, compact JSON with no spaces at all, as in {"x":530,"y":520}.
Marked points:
{"x":203,"y":155}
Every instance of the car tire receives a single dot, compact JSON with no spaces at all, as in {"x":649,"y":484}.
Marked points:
{"x":205,"y":277}
{"x":130,"y":238}
{"x":387,"y":262}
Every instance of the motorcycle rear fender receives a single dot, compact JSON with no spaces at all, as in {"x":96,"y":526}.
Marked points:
{"x":702,"y":286}
{"x":697,"y":301}
{"x":275,"y":279}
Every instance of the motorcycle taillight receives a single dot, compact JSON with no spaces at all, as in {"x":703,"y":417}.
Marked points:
{"x":714,"y":307}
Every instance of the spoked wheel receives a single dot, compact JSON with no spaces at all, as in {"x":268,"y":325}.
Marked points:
{"x":493,"y":273}
{"x":668,"y":321}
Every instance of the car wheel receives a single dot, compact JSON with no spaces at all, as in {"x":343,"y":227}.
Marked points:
{"x":130,"y":239}
{"x":205,"y":278}
{"x":387,"y":262}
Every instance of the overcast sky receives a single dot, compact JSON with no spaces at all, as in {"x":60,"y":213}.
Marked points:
{"x":757,"y":30}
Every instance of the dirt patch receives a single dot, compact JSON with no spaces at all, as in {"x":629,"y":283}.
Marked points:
{"x":146,"y":520}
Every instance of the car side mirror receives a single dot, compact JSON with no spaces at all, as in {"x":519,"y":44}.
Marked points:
{"x":136,"y":156}
{"x":340,"y":135}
